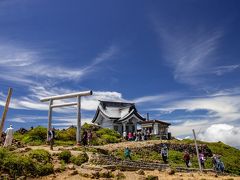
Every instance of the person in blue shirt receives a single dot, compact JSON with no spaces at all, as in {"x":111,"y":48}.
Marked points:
{"x":127,"y":153}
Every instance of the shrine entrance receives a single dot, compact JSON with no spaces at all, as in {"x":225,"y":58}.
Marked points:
{"x":78,"y":103}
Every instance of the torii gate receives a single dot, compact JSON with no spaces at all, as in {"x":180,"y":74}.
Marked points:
{"x":78,"y":103}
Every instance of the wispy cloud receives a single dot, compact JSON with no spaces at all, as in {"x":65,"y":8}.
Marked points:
{"x":158,"y":98}
{"x":22,"y":65}
{"x":28,"y":68}
{"x":220,"y":70}
{"x":32,"y":101}
{"x":191,"y":53}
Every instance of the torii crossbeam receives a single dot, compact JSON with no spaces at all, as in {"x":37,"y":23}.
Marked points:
{"x":78,"y":103}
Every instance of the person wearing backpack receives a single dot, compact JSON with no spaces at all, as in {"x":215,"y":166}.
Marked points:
{"x":127,"y":153}
{"x":164,"y":153}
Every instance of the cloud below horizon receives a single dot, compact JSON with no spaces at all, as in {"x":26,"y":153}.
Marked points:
{"x":221,"y":132}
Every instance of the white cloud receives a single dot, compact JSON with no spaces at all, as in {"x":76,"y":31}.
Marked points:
{"x":32,"y":102}
{"x":222,"y":132}
{"x":220,"y":70}
{"x":27,"y":68}
{"x":157,"y":98}
{"x":22,"y":65}
{"x":201,"y":112}
{"x":191,"y":53}
{"x":187,"y":126}
{"x":91,"y":102}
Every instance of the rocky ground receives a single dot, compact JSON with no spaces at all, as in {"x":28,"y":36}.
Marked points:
{"x":90,"y":171}
{"x":86,"y":174}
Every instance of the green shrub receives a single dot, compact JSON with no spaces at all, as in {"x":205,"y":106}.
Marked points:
{"x":3,"y":154}
{"x":40,"y":155}
{"x":38,"y":133}
{"x":104,"y":131}
{"x":36,"y":136}
{"x":80,"y":159}
{"x":36,"y":163}
{"x":105,"y":136}
{"x":19,"y":165}
{"x":110,"y":139}
{"x":65,"y":155}
{"x":67,"y":134}
{"x":43,"y":169}
{"x":64,"y":142}
{"x":91,"y":127}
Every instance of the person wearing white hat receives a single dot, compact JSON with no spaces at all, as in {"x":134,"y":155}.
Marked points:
{"x":9,"y":137}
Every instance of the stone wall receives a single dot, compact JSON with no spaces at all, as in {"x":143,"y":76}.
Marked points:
{"x":111,"y":161}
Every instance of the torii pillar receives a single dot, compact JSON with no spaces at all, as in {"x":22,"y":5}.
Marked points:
{"x":78,"y":103}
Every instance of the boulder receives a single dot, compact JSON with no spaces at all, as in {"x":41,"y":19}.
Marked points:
{"x":75,"y":172}
{"x":140,"y":172}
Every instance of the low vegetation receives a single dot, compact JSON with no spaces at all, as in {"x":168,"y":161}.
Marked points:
{"x":38,"y":162}
{"x":66,"y":137}
{"x":65,"y":156}
{"x":35,"y":163}
{"x":79,"y":159}
{"x":229,"y":155}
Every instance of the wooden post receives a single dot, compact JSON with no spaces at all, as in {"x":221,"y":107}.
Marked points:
{"x":5,"y":110}
{"x":78,"y":135}
{"x":49,"y":117}
{"x":196,"y":146}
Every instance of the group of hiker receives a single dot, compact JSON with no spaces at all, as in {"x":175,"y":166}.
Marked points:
{"x":138,"y":136}
{"x":218,"y":164}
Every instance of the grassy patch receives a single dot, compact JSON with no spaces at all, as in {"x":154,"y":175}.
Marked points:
{"x":32,"y":164}
{"x":79,"y":159}
{"x":65,"y":156}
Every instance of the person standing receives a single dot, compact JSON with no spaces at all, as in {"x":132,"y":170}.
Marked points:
{"x":127,"y":153}
{"x":125,"y":135}
{"x":9,"y":136}
{"x":186,"y":158}
{"x":164,"y":153}
{"x":84,"y":138}
{"x":51,"y":135}
{"x":214,"y":162}
{"x":89,"y":136}
{"x":202,"y":159}
{"x":130,"y":136}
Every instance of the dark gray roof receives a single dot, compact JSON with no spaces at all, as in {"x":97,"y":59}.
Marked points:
{"x":117,"y":110}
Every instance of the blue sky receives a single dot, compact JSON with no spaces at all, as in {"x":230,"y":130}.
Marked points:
{"x":177,"y":60}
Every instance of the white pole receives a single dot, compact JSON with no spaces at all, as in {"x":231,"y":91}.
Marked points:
{"x":64,"y":105}
{"x":196,"y":146}
{"x":49,"y":117}
{"x":78,"y":120}
{"x":64,"y":96}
